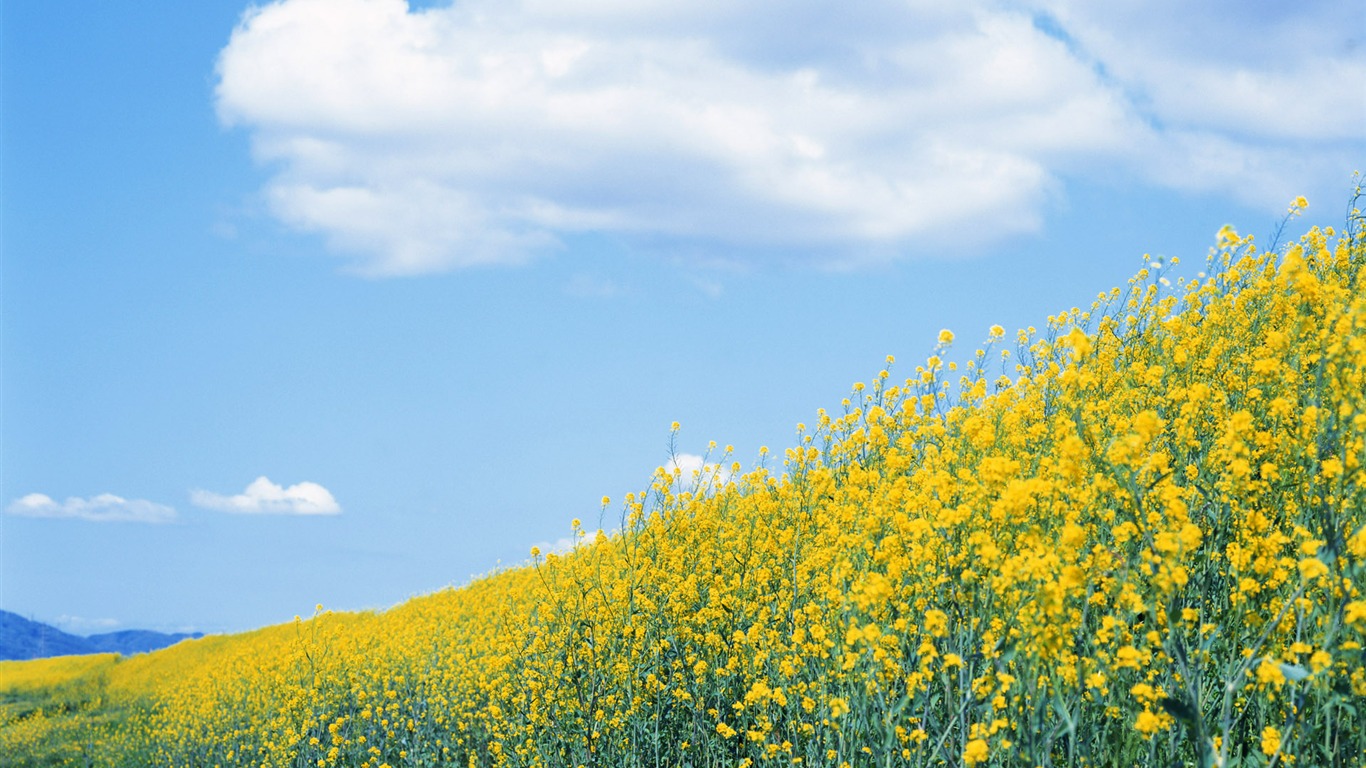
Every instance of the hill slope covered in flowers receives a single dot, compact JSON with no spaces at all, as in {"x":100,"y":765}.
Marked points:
{"x":1140,"y":540}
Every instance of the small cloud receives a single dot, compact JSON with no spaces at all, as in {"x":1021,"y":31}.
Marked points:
{"x":80,"y":625}
{"x":694,"y":473}
{"x":560,"y":546}
{"x":104,"y":508}
{"x":263,"y":497}
{"x":582,"y":539}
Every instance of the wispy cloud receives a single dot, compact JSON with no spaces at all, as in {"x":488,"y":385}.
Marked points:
{"x":591,"y":287}
{"x":80,"y":625}
{"x":268,"y":498}
{"x":487,"y":131}
{"x":104,"y":508}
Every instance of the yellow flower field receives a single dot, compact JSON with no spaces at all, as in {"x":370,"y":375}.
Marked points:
{"x":1134,"y":536}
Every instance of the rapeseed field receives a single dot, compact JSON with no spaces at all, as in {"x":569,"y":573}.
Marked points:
{"x":1134,"y":536}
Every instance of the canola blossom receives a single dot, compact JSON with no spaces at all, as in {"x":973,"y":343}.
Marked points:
{"x":1135,"y":537}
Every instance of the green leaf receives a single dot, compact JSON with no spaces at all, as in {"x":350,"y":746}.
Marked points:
{"x":1178,"y":709}
{"x":1294,"y":672}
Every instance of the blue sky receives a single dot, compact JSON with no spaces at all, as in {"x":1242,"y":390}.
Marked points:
{"x":444,"y":275}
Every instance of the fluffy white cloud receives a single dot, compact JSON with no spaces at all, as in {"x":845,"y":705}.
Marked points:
{"x":484,"y":132}
{"x":581,"y":539}
{"x":265,"y":497}
{"x":1253,"y":100}
{"x":561,"y":546}
{"x":104,"y":508}
{"x":693,"y":473}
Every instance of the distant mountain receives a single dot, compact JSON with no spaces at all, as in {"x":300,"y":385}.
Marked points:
{"x":131,"y":641}
{"x":24,"y":639}
{"x":21,"y":639}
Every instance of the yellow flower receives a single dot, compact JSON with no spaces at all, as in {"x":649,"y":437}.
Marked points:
{"x":945,"y":337}
{"x":936,"y":623}
{"x":1269,"y":673}
{"x":1129,"y":657}
{"x":975,"y":752}
{"x":1320,"y":661}
{"x":1331,"y":468}
{"x":1271,"y":740}
{"x":1312,"y":568}
{"x":1357,"y":544}
{"x":1355,"y":612}
{"x":1144,"y":693}
{"x":1147,"y":723}
{"x":1079,"y":342}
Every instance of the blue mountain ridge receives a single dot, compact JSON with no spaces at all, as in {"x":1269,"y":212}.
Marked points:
{"x":22,"y":639}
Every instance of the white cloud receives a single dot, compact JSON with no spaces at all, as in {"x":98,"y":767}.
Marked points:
{"x":562,"y":546}
{"x":265,"y":497}
{"x":1253,"y":100}
{"x":1252,"y":69}
{"x":693,"y":473}
{"x":583,"y":539}
{"x":487,"y":131}
{"x":80,"y":625}
{"x":106,"y":507}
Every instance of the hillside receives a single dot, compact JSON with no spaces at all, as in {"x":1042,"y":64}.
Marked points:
{"x":22,"y":638}
{"x":1135,"y":537}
